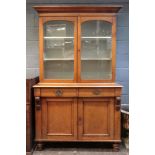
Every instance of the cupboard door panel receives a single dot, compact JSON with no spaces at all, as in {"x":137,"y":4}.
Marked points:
{"x":59,"y":118}
{"x":96,"y":119}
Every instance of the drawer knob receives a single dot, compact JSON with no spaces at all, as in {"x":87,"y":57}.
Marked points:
{"x":58,"y":92}
{"x":96,"y":92}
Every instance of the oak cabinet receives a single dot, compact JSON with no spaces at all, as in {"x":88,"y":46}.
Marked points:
{"x":76,"y":119}
{"x":77,"y":98}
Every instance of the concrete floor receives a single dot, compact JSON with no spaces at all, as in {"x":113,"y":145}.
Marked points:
{"x":80,"y":150}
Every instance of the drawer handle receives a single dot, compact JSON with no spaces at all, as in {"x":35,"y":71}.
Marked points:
{"x":96,"y":92}
{"x":58,"y":92}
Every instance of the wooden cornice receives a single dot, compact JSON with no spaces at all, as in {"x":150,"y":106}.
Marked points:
{"x":77,"y":8}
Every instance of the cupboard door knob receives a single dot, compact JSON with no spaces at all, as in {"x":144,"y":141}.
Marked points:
{"x":58,"y":92}
{"x":96,"y":92}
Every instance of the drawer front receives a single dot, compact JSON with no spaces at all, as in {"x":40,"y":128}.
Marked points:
{"x":58,"y":92}
{"x":96,"y":92}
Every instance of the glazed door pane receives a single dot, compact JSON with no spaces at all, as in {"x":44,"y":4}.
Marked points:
{"x":59,"y":50}
{"x":96,"y":50}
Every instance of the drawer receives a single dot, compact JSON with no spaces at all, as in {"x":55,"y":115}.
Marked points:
{"x":96,"y":92}
{"x":58,"y":92}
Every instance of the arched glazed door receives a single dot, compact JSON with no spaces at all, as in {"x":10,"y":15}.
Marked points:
{"x":96,"y":49}
{"x":58,"y":49}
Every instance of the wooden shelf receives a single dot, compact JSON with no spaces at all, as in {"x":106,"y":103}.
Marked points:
{"x":60,"y":59}
{"x":49,"y":59}
{"x":96,"y":59}
{"x":106,"y":37}
{"x":58,"y":37}
{"x":57,"y":59}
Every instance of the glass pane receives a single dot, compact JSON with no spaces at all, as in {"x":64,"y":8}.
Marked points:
{"x":59,"y":50}
{"x":96,"y":51}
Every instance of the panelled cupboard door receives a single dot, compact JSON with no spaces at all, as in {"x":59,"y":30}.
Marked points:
{"x":96,"y":43}
{"x":96,"y":119}
{"x":59,"y":119}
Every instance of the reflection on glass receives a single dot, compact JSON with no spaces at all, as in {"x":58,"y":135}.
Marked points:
{"x":58,"y":50}
{"x":96,"y":49}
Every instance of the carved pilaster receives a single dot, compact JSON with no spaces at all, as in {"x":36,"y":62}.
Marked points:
{"x":37,"y":103}
{"x":118,"y":103}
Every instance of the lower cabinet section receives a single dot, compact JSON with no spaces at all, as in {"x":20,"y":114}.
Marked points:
{"x":77,"y":114}
{"x":77,"y":119}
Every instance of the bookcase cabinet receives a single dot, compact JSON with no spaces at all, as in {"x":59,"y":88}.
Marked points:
{"x":77,"y":98}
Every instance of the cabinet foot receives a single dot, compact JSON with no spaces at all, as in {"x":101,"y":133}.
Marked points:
{"x":39,"y":146}
{"x":116,"y":147}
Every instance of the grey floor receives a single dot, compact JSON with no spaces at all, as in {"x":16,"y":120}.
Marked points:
{"x":80,"y":151}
